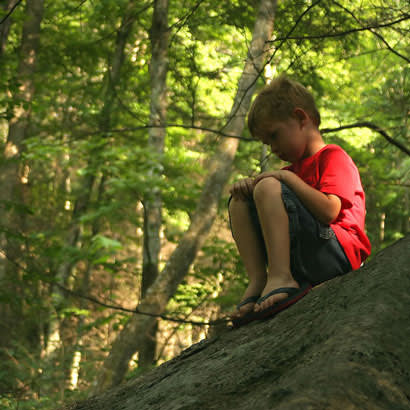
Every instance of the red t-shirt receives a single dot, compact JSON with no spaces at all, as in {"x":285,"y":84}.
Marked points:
{"x":332,"y":171}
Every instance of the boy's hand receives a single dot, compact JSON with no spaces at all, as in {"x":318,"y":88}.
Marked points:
{"x":279,"y":175}
{"x":242,"y":189}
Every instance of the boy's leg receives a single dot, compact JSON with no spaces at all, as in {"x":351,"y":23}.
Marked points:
{"x":316,"y":254}
{"x":251,"y":249}
{"x":275,"y":227}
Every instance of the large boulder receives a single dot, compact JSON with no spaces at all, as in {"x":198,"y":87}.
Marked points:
{"x":346,"y":345}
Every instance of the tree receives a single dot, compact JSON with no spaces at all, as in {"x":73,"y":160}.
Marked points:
{"x":93,"y":180}
{"x":12,"y":200}
{"x":152,"y":203}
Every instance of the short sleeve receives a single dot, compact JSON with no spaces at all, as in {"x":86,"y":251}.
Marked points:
{"x":338,"y":175}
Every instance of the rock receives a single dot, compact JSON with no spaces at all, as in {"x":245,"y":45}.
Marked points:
{"x":343,"y":346}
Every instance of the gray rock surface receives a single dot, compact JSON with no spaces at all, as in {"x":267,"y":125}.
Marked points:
{"x":346,"y":345}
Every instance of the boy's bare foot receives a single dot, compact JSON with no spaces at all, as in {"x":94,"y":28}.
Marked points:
{"x":275,"y":283}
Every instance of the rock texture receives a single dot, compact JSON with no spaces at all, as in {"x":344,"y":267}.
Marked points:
{"x":344,"y":346}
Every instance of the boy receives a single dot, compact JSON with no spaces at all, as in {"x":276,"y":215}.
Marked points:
{"x":304,"y":224}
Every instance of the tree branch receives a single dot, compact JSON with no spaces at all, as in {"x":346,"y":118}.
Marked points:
{"x":10,"y":12}
{"x":144,"y":127}
{"x":364,"y":124}
{"x":182,"y":21}
{"x":341,"y":33}
{"x":373,"y":127}
{"x":117,"y":307}
{"x":136,"y":311}
{"x":292,"y":29}
{"x":378,"y":35}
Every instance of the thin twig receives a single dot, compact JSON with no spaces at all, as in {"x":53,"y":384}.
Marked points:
{"x":341,"y":33}
{"x":10,"y":12}
{"x":365,"y":124}
{"x":373,"y":127}
{"x":378,"y":35}
{"x":143,"y":127}
{"x":117,"y":307}
{"x":137,"y":311}
{"x":293,"y":28}
{"x":175,"y":329}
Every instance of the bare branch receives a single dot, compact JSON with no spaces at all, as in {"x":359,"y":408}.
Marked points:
{"x":116,"y":307}
{"x":378,"y":35}
{"x":342,"y":33}
{"x":373,"y":127}
{"x":136,"y":311}
{"x":293,"y":28}
{"x":182,"y":21}
{"x":364,"y":124}
{"x":10,"y":12}
{"x":143,"y":127}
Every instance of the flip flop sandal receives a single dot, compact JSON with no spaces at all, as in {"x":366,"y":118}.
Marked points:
{"x":247,"y":317}
{"x":294,"y":294}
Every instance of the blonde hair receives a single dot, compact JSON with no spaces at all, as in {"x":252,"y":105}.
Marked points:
{"x":278,"y":100}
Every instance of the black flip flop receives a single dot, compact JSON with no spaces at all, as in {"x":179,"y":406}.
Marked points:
{"x":247,"y":317}
{"x":294,"y":294}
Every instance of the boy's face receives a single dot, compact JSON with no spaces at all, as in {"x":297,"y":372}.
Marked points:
{"x":287,"y":139}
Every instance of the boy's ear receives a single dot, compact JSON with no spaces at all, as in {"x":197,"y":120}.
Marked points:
{"x":301,"y":115}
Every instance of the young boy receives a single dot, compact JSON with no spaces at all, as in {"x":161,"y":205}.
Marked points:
{"x":303,"y":224}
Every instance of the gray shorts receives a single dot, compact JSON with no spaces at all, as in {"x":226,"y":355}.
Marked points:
{"x":315,"y":253}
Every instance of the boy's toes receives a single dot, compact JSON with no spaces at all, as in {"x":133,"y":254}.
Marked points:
{"x":245,"y":307}
{"x":243,"y":310}
{"x":261,"y":306}
{"x":267,"y":303}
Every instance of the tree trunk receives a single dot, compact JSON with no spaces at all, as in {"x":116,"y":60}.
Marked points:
{"x":5,"y":26}
{"x":159,"y":34}
{"x":343,"y":346}
{"x":11,"y":192}
{"x":158,"y":295}
{"x":73,"y":353}
{"x":82,"y":202}
{"x":65,"y":269}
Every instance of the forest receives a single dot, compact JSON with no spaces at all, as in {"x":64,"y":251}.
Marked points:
{"x":122,"y":125}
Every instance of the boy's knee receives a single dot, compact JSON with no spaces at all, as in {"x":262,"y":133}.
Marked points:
{"x":266,"y":187}
{"x":231,"y":203}
{"x":236,"y":204}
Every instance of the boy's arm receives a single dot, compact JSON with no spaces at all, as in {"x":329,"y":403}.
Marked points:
{"x":325,"y":207}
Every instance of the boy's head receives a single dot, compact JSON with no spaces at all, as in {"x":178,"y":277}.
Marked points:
{"x":278,"y":101}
